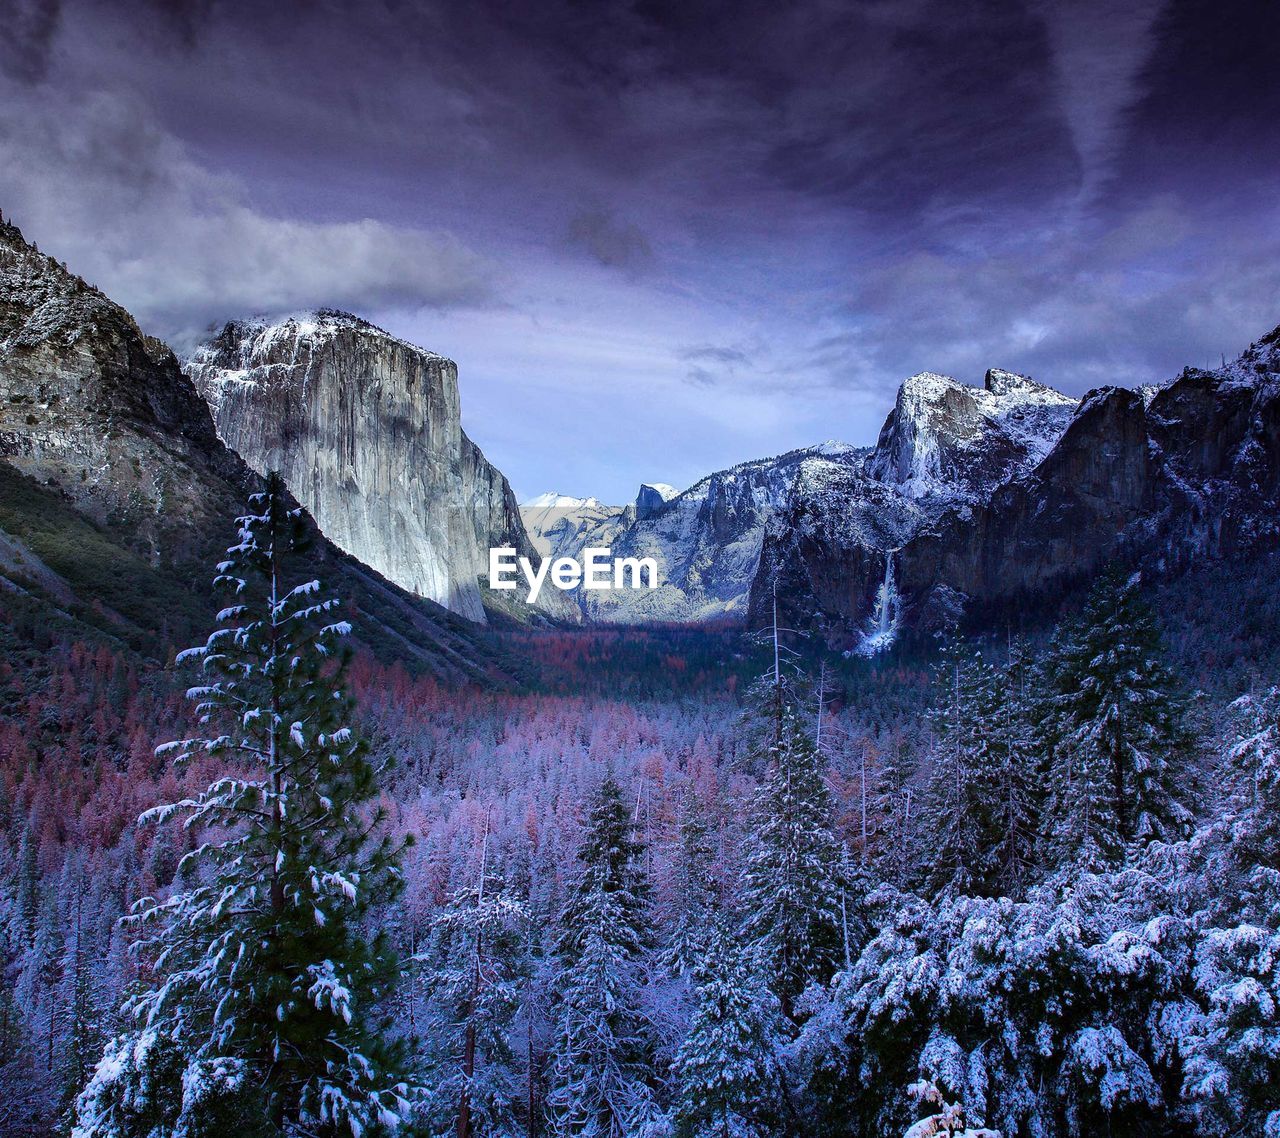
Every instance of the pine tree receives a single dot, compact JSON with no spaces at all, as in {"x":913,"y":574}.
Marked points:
{"x":1115,"y":725}
{"x":261,"y":1014}
{"x":728,"y":1066}
{"x":693,"y":889}
{"x":478,"y":973}
{"x":603,"y":1054}
{"x":791,"y":888}
{"x":959,"y":802}
{"x":1015,"y":782}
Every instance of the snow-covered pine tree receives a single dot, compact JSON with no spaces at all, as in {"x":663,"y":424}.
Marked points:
{"x":1115,"y":723}
{"x":603,"y":1054}
{"x":261,"y":1014}
{"x":693,"y":889}
{"x":1230,"y":1043}
{"x":791,"y":891}
{"x":1015,"y":774}
{"x":728,"y":1068}
{"x":1253,"y":821}
{"x":962,"y":798}
{"x":478,"y":965}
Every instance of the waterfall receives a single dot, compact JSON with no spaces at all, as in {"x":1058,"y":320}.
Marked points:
{"x":882,"y":627}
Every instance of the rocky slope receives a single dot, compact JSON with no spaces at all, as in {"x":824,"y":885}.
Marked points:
{"x":116,"y":494}
{"x":1160,"y":477}
{"x":92,"y":406}
{"x":721,"y":542}
{"x":366,"y":431}
{"x":559,"y":524}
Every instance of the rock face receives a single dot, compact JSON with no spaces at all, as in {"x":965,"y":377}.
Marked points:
{"x":944,"y":439}
{"x":821,"y":521}
{"x":366,"y":431}
{"x":706,"y":540}
{"x":1161,"y":477}
{"x":90,"y":405}
{"x":559,"y":524}
{"x":116,"y":494}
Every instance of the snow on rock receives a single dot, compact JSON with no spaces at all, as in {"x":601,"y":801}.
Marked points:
{"x":947,"y":440}
{"x":559,"y":524}
{"x":366,"y":430}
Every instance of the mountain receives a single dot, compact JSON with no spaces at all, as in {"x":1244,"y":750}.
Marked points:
{"x":706,"y":540}
{"x":559,"y":524}
{"x":1162,"y":478}
{"x":117,"y":496}
{"x":943,"y":446}
{"x":366,"y":430}
{"x":945,"y":440}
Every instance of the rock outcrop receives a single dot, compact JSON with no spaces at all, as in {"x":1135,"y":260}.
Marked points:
{"x":117,"y":496}
{"x":90,"y":405}
{"x":1160,"y":477}
{"x":366,"y":431}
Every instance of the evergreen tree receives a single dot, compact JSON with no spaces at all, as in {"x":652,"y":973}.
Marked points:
{"x":728,"y":1066}
{"x":959,"y":857}
{"x":603,"y":1059}
{"x":1015,"y":782}
{"x":478,"y":973}
{"x":1115,"y":726}
{"x":261,"y":1013}
{"x":791,"y":888}
{"x":693,"y":889}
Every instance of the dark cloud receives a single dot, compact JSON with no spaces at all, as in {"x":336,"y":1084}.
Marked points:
{"x":713,"y":364}
{"x":28,"y":27}
{"x":613,"y":243}
{"x":845,"y":192}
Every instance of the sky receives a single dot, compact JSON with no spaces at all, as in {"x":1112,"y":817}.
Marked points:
{"x":665,"y":236}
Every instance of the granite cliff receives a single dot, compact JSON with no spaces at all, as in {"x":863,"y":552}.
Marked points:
{"x":366,"y":431}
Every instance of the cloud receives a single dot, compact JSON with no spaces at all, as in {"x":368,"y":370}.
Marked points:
{"x":1127,"y":302}
{"x":106,"y":188}
{"x":29,"y":30}
{"x":614,"y":244}
{"x":1099,"y":50}
{"x":714,"y":364}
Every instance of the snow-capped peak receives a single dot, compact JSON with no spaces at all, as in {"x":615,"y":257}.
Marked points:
{"x":552,"y":500}
{"x":664,"y":491}
{"x":945,"y":438}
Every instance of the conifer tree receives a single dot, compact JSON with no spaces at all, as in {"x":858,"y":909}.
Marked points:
{"x":478,"y":973}
{"x":1015,"y":781}
{"x":1115,"y":725}
{"x":603,"y":1057}
{"x":958,"y":855}
{"x":693,"y":888}
{"x":791,"y":888}
{"x":728,"y":1066}
{"x":261,"y":1014}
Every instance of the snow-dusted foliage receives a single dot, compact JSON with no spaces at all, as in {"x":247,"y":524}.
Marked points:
{"x":1032,"y":1016}
{"x":984,"y":787}
{"x":477,"y":973}
{"x":729,"y":1069}
{"x":262,"y":978}
{"x":1114,"y":731}
{"x":602,"y":1065}
{"x":575,"y":853}
{"x":792,"y":894}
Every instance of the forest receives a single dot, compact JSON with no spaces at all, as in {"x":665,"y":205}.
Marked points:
{"x":683,"y":883}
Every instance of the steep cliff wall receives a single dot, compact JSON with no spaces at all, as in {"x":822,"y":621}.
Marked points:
{"x":366,"y":430}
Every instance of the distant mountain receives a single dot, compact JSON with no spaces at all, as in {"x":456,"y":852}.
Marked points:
{"x":1161,"y":478}
{"x":558,"y":524}
{"x":944,"y":446}
{"x":117,"y":496}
